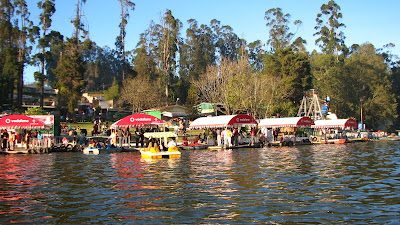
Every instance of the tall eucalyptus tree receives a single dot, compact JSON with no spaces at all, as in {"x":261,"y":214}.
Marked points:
{"x":8,"y":54}
{"x":126,"y":6}
{"x":48,"y":9}
{"x":198,"y":51}
{"x":227,"y":42}
{"x":167,"y":34}
{"x":71,"y":66}
{"x":78,"y":23}
{"x":330,"y":37}
{"x":280,"y":36}
{"x":27,"y":32}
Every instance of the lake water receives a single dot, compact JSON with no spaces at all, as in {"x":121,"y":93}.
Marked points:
{"x":331,"y":184}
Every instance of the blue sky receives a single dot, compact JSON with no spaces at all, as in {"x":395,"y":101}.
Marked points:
{"x":376,"y":22}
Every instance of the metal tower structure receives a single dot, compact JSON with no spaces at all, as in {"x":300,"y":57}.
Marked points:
{"x":310,"y":106}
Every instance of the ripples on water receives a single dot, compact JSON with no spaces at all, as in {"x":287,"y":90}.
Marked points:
{"x":354,"y":183}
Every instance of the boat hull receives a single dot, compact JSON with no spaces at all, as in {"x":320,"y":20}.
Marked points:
{"x":334,"y":141}
{"x":159,"y":155}
{"x":96,"y":151}
{"x":193,"y":147}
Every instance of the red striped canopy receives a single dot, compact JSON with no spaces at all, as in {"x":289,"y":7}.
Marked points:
{"x":20,"y":122}
{"x":223,"y":121}
{"x":338,"y":123}
{"x":286,"y":122}
{"x":137,"y":120}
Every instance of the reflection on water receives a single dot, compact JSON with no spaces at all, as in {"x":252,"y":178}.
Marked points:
{"x":353,"y":183}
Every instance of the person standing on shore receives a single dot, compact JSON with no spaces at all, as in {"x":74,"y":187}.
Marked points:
{"x":236,"y":137}
{"x":11,"y":141}
{"x":228,"y":137}
{"x":214,"y":136}
{"x":219,"y":139}
{"x":253,"y":136}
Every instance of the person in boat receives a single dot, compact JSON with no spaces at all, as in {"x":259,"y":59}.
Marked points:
{"x":99,"y":145}
{"x":185,"y":141}
{"x":91,"y":143}
{"x":155,"y":147}
{"x":162,"y":147}
{"x":172,"y":146}
{"x":172,"y":143}
{"x":65,"y":141}
{"x":196,"y":139}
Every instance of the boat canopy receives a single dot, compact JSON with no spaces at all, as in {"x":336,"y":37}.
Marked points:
{"x":18,"y":121}
{"x":159,"y":134}
{"x":338,"y":123}
{"x":137,"y":120}
{"x":223,"y":121}
{"x":286,"y":122}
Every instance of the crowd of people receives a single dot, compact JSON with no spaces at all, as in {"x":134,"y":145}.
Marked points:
{"x":9,"y":139}
{"x":230,"y":137}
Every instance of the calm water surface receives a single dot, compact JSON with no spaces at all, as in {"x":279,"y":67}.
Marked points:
{"x":330,"y":184}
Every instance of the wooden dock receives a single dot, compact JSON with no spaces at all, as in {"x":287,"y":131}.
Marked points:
{"x":25,"y":151}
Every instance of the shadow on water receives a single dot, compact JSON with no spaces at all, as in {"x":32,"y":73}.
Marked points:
{"x":351,"y":183}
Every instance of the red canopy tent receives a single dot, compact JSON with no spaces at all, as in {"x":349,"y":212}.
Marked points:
{"x":21,"y":122}
{"x":137,"y":120}
{"x":286,"y":122}
{"x":223,"y":121}
{"x":338,"y":123}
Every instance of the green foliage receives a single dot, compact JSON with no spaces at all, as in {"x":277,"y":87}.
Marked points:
{"x":330,"y":38}
{"x":293,"y":68}
{"x":280,"y":36}
{"x":35,"y":111}
{"x":70,"y":76}
{"x":113,"y":92}
{"x":362,"y":80}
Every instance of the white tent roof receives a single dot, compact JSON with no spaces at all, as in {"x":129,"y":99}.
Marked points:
{"x":286,"y":122}
{"x":222,"y":121}
{"x":338,"y":123}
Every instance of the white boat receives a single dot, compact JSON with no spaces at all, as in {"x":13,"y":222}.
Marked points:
{"x":96,"y":151}
{"x":159,"y":155}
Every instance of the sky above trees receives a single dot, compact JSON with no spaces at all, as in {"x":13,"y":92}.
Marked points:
{"x":370,"y":21}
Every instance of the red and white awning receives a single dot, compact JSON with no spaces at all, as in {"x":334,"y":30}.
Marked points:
{"x":21,"y":122}
{"x":223,"y":121}
{"x":286,"y":122}
{"x":338,"y":123}
{"x":137,"y":120}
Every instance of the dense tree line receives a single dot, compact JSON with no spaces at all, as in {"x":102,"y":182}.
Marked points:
{"x":204,"y":63}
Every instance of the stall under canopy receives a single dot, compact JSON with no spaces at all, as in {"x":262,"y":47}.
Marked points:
{"x":338,"y":123}
{"x":286,"y":122}
{"x":18,"y":121}
{"x":223,"y":121}
{"x":138,"y":120}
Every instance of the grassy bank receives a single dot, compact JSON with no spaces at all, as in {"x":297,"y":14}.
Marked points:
{"x":82,"y":125}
